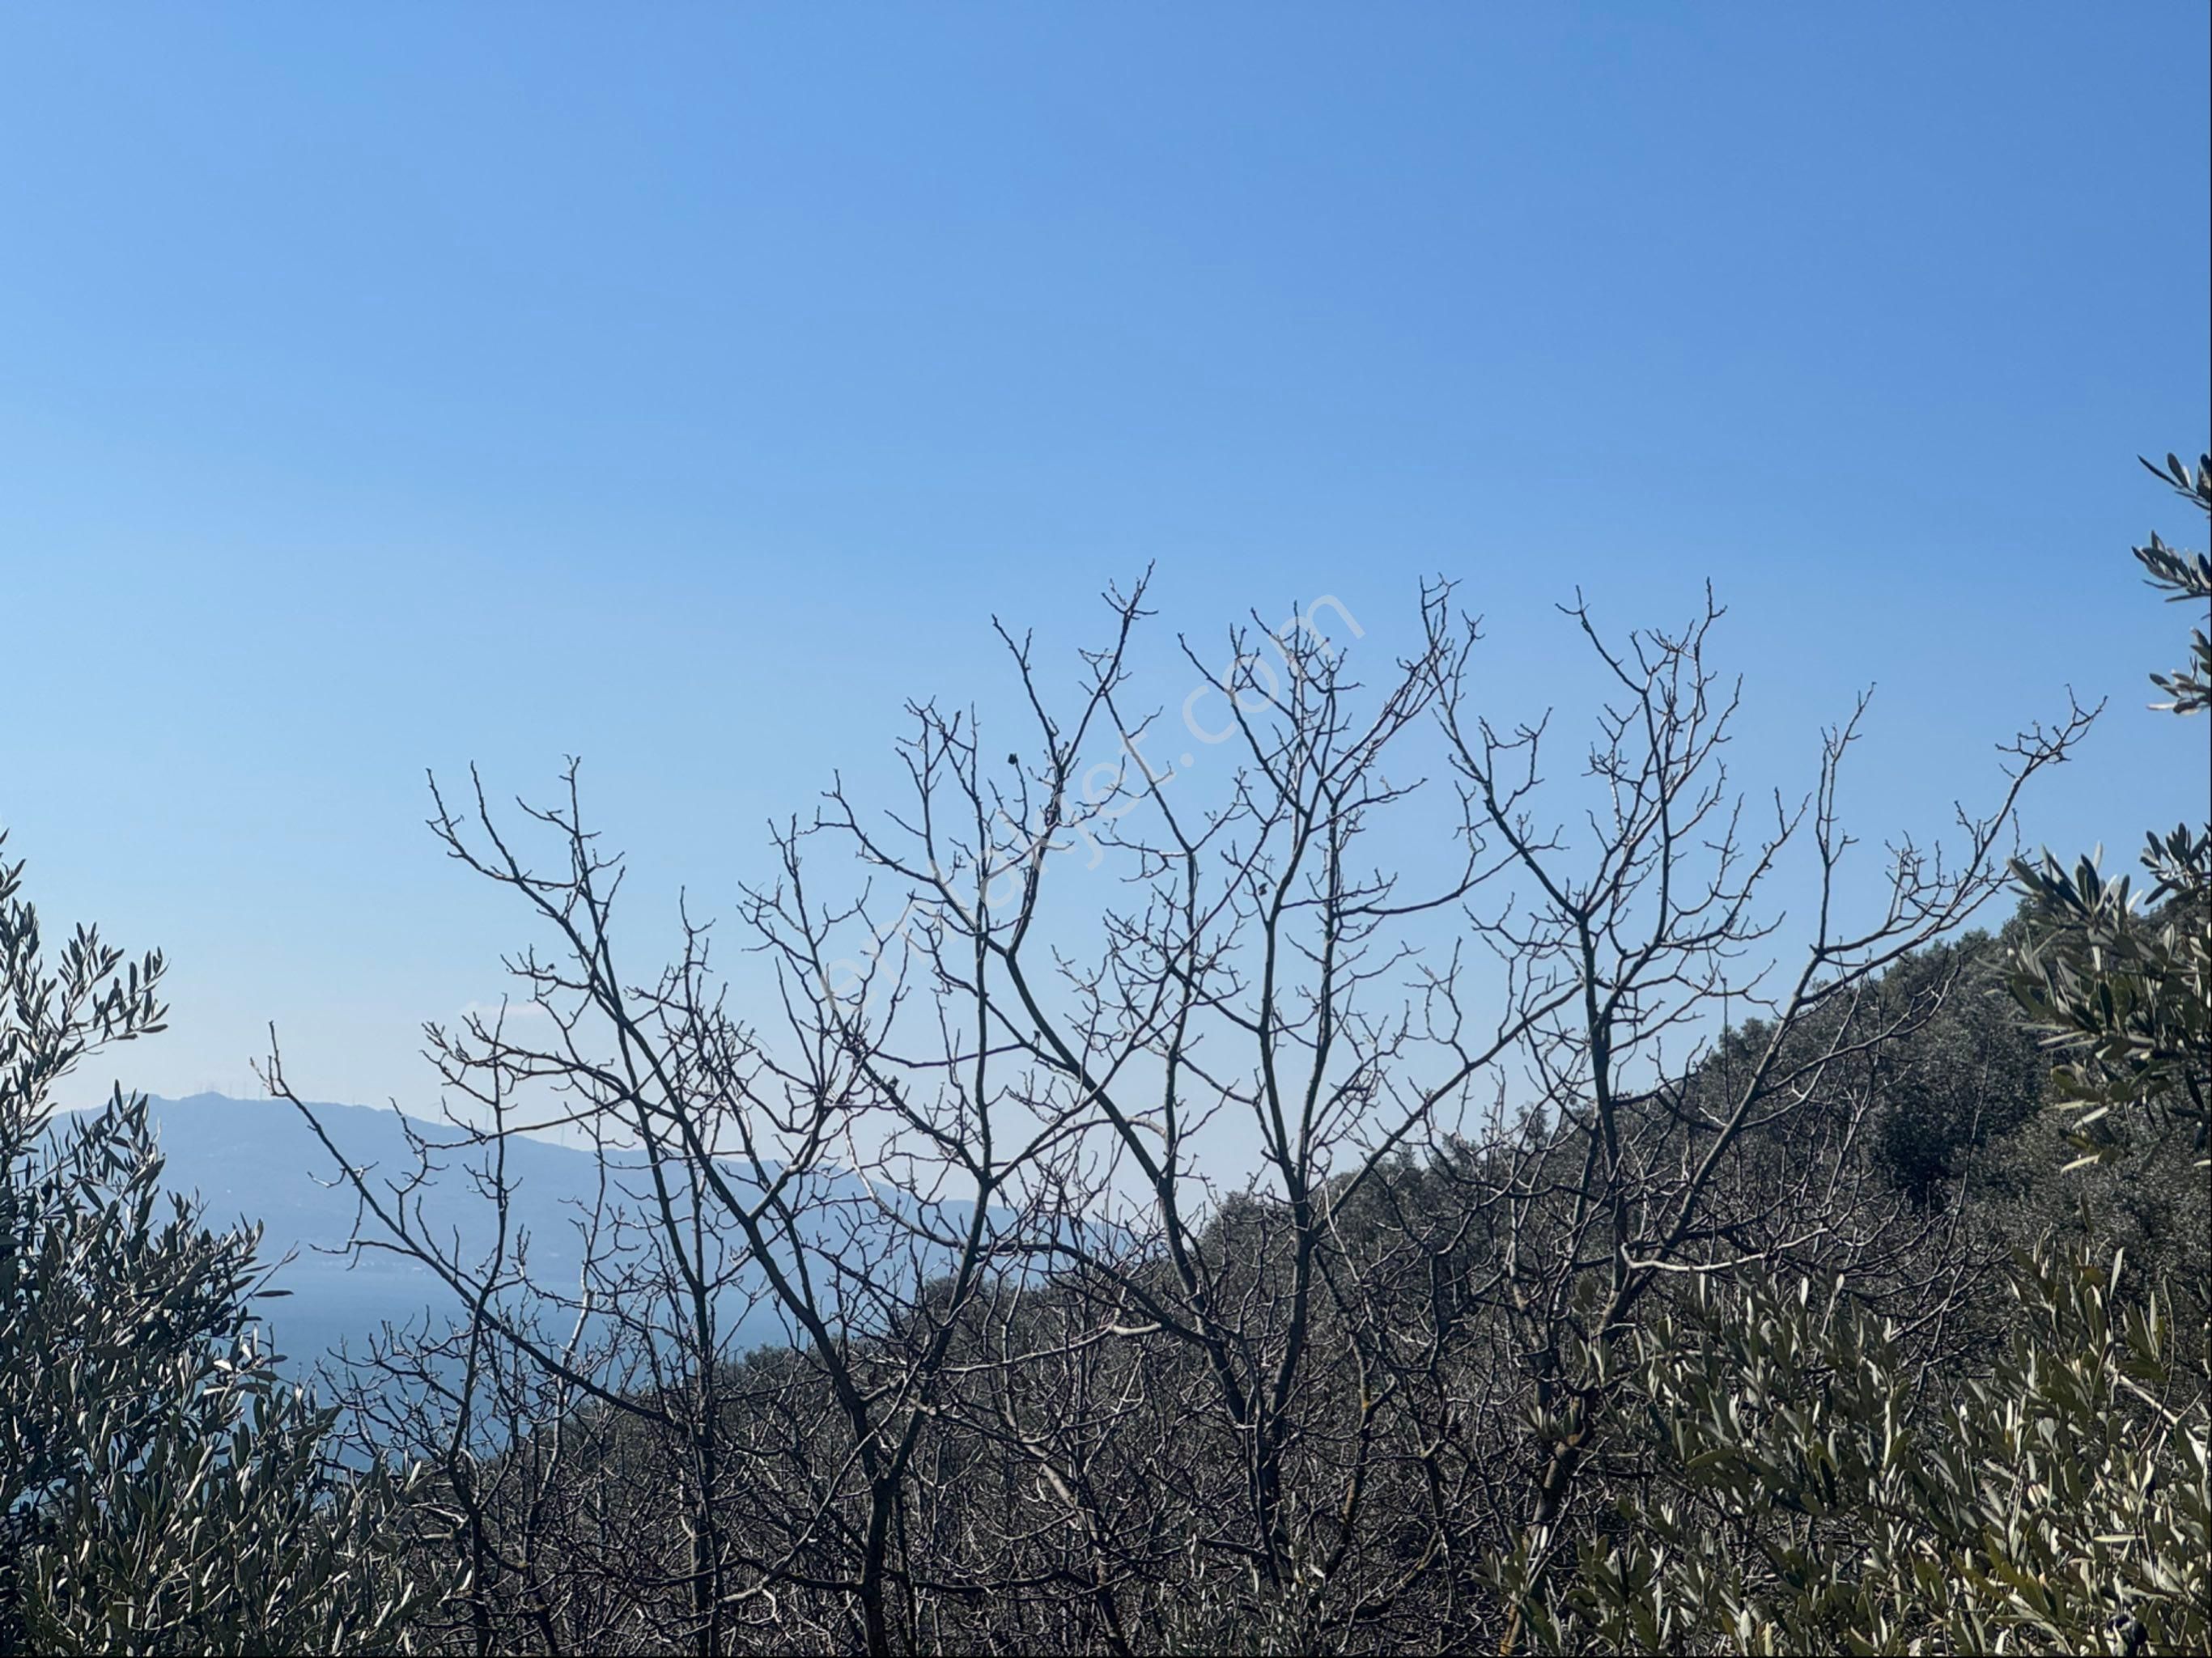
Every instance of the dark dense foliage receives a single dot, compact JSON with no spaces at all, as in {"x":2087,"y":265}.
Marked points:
{"x":1601,"y":1286}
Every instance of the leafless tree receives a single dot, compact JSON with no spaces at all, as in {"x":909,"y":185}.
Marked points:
{"x":1048,"y":1374}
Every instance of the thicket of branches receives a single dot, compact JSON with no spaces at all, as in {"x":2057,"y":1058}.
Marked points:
{"x":1619,"y":1263}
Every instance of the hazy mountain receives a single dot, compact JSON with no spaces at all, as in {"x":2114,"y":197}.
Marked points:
{"x":257,"y":1160}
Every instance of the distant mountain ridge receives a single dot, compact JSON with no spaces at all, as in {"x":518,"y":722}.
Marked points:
{"x":257,"y":1161}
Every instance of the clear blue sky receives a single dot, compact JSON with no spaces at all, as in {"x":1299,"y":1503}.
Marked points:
{"x":384,"y":387}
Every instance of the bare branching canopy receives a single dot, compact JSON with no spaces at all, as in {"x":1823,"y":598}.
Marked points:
{"x":1150,"y":1214}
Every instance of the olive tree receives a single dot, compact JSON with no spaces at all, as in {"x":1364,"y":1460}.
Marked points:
{"x":162,"y":1489}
